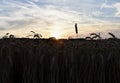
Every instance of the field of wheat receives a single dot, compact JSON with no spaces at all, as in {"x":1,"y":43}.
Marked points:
{"x":59,"y":61}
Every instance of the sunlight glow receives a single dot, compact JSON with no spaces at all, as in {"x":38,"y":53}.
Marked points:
{"x":55,"y":33}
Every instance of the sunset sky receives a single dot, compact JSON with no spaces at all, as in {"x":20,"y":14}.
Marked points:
{"x":57,"y":17}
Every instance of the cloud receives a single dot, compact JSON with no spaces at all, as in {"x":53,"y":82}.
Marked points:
{"x":104,"y":5}
{"x":23,"y":17}
{"x":35,"y":0}
{"x":97,"y":13}
{"x":117,"y":7}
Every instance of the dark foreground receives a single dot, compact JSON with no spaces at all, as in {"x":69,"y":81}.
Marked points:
{"x":63,"y":61}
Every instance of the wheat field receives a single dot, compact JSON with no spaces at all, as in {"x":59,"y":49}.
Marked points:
{"x":59,"y":61}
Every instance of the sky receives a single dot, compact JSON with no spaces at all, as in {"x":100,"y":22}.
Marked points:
{"x":58,"y":17}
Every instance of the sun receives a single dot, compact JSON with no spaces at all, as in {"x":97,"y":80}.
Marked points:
{"x":55,"y":33}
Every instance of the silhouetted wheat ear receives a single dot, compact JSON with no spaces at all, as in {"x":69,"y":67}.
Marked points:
{"x":32,"y":31}
{"x":95,"y":35}
{"x":88,"y":38}
{"x":11,"y":36}
{"x":76,"y":29}
{"x":111,"y":34}
{"x":6,"y":35}
{"x":36,"y":36}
